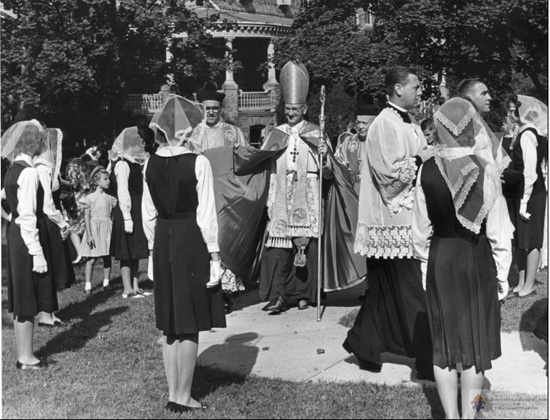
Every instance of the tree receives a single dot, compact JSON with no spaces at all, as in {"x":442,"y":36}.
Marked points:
{"x":75,"y":60}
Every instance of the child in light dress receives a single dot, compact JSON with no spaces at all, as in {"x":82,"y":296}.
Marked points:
{"x":96,"y":241}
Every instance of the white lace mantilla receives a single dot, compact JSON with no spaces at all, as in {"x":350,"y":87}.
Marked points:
{"x":384,"y":241}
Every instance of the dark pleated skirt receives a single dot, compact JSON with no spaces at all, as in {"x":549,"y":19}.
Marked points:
{"x":131,"y":246}
{"x":279,"y":275}
{"x":530,"y":234}
{"x":29,"y":292}
{"x":181,"y":268}
{"x":393,"y":317}
{"x":62,"y":268}
{"x":464,"y":310}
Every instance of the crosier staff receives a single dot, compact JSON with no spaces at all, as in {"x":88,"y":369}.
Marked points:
{"x":322,"y":97}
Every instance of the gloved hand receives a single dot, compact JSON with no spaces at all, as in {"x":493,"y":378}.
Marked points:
{"x":39,"y":263}
{"x":503,"y":289}
{"x":215,"y":274}
{"x":523,"y":211}
{"x":128,"y":226}
{"x":150,"y":268}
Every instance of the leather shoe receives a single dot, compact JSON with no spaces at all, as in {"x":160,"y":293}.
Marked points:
{"x":278,"y":307}
{"x":266,"y":307}
{"x":23,"y":366}
{"x":56,"y":323}
{"x":180,"y":408}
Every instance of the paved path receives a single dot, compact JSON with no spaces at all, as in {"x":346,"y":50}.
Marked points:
{"x":294,"y":346}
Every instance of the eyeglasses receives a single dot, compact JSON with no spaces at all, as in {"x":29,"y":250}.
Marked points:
{"x":212,"y":109}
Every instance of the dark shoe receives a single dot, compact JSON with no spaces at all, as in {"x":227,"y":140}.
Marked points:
{"x":23,"y":366}
{"x":425,"y":375}
{"x":363,"y":297}
{"x":180,"y":408}
{"x":303,"y":304}
{"x":55,"y":324}
{"x":88,"y":292}
{"x":278,"y":307}
{"x":266,"y":307}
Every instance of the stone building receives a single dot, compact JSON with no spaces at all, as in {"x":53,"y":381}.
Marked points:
{"x":252,"y":92}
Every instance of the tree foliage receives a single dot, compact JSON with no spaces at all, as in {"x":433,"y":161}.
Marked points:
{"x":75,"y":60}
{"x":495,"y":40}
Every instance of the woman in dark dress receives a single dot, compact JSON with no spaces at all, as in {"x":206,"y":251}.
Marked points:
{"x":48,"y":165}
{"x":527,"y":208}
{"x":31,"y":288}
{"x":128,"y":242}
{"x":462,"y":235}
{"x":179,"y":217}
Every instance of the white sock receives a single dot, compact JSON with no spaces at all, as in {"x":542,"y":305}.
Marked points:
{"x":105,"y":282}
{"x":88,"y":286}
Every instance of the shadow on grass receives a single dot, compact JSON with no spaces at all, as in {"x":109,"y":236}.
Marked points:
{"x":80,"y":332}
{"x":432,"y":397}
{"x":238,"y":351}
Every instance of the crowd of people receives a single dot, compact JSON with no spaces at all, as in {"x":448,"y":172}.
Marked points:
{"x":429,"y":214}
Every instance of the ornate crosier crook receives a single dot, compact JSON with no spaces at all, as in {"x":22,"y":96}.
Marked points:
{"x":322,"y":98}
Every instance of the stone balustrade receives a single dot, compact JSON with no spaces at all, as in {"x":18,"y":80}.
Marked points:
{"x":255,"y":101}
{"x":143,"y":103}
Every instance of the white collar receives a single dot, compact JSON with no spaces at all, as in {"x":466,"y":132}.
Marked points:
{"x":212,"y":127}
{"x":25,"y":158}
{"x":398,"y":107}
{"x":456,"y":152}
{"x":170,"y":151}
{"x":43,"y":161}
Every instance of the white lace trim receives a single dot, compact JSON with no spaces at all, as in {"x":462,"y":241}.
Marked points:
{"x":456,"y":129}
{"x":384,"y":241}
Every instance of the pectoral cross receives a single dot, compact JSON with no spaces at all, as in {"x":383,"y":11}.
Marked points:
{"x":294,"y":153}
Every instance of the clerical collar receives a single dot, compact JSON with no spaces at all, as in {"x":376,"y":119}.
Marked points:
{"x":401,"y":111}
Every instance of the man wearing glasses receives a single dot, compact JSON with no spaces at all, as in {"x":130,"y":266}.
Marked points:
{"x":213,"y":131}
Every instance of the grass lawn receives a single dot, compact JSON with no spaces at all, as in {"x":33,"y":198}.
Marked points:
{"x":108,"y":364}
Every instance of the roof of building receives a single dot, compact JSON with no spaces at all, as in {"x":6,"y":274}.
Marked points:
{"x":234,"y":16}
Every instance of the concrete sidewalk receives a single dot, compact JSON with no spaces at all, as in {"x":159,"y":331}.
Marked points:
{"x":294,"y":346}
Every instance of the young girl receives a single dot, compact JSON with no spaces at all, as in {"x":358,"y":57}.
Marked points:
{"x":79,"y":188}
{"x":97,"y":236}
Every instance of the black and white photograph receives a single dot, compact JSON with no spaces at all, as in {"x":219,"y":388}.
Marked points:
{"x":274,"y":209}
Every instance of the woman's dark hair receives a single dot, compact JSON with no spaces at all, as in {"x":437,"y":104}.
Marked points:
{"x":513,"y":99}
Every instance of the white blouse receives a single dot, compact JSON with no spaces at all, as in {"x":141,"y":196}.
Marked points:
{"x":26,"y":206}
{"x":206,"y":209}
{"x":529,"y":154}
{"x":499,"y":232}
{"x":45,"y":174}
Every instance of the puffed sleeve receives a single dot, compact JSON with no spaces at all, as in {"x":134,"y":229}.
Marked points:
{"x":148,"y":212}
{"x":393,"y":164}
{"x":51,"y":212}
{"x":26,"y":208}
{"x":206,"y":210}
{"x":500,"y":232}
{"x":85,"y":202}
{"x":529,"y":148}
{"x":422,"y":229}
{"x":122,"y":173}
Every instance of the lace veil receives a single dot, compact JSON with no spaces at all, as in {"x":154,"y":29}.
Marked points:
{"x":22,"y":137}
{"x":128,"y":144}
{"x":470,"y":159}
{"x":535,"y":112}
{"x":52,"y":153}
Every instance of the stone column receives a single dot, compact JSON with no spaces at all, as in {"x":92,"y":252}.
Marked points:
{"x":231,"y":89}
{"x":272,"y":86}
